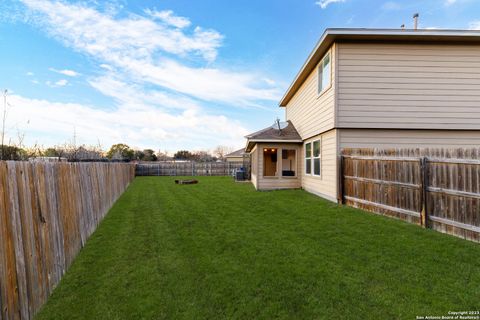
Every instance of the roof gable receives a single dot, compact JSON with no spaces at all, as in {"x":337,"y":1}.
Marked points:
{"x":385,"y":35}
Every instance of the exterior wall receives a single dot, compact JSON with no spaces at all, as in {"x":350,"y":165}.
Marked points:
{"x":254,"y":166}
{"x":271,"y":183}
{"x":324,"y":185}
{"x":384,"y":138}
{"x":310,"y":113}
{"x":234,"y":159}
{"x":414,"y":86}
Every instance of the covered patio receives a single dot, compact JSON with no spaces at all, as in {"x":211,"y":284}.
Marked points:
{"x":275,"y":154}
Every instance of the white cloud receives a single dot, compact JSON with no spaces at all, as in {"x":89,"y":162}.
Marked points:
{"x":99,"y":34}
{"x":450,"y":2}
{"x":147,"y":51}
{"x":30,"y":74}
{"x":158,"y":69}
{"x":66,"y":72}
{"x":56,"y":84}
{"x":324,"y":3}
{"x":474,"y":25}
{"x":133,"y":94}
{"x":168,"y":17}
{"x":139,"y":125}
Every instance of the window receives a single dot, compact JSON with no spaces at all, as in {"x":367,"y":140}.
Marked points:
{"x":313,"y":157}
{"x":308,"y":158}
{"x":288,"y":163}
{"x":324,"y":74}
{"x":269,"y":162}
{"x":316,"y":157}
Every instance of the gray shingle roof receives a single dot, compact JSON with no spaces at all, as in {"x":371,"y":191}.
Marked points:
{"x":287,"y":134}
{"x":237,"y":153}
{"x":270,"y":134}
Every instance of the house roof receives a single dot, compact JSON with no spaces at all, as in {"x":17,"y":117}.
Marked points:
{"x":270,"y":134}
{"x":374,"y":35}
{"x":237,"y":153}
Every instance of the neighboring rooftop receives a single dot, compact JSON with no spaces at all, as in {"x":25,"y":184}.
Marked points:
{"x":391,"y":35}
{"x":272,"y":134}
{"x":237,"y":153}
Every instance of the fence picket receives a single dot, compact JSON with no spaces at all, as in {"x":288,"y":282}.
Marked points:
{"x":47,"y":211}
{"x":441,"y":185}
{"x":168,"y":168}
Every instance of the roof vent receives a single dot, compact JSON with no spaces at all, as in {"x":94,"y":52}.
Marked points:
{"x":415,"y":21}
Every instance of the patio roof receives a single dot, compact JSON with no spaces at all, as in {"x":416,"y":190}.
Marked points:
{"x":270,"y":134}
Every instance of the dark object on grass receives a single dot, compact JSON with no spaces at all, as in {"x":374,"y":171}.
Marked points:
{"x":186,"y":181}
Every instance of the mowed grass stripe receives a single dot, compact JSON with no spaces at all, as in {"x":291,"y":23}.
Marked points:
{"x":221,"y":250}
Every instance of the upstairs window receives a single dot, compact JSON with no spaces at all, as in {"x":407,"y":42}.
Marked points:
{"x":324,"y":74}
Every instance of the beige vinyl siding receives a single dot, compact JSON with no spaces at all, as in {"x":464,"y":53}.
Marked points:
{"x":272,"y":183}
{"x":254,"y":166}
{"x":412,"y":86}
{"x":310,"y":113}
{"x":324,"y":185}
{"x":382,"y":138}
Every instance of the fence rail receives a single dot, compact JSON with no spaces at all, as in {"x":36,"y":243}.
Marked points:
{"x":47,"y":212}
{"x":172,"y":168}
{"x":435,"y":188}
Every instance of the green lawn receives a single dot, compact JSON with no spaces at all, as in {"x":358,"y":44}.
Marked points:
{"x":220,"y":250}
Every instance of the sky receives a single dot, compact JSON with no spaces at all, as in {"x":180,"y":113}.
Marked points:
{"x":173,"y":74}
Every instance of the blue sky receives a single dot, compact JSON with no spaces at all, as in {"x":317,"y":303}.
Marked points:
{"x":173,"y":74}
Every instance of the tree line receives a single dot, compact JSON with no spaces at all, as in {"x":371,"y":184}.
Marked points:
{"x":117,"y":152}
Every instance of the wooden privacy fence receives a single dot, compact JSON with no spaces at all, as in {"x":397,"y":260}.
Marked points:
{"x":47,"y":212}
{"x":435,"y":188}
{"x":172,"y":168}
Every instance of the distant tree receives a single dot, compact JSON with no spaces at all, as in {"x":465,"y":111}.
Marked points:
{"x":222,"y":151}
{"x":183,"y":155}
{"x":203,"y":156}
{"x":13,"y":153}
{"x":120,"y":151}
{"x":149,"y":155}
{"x":51,"y":152}
{"x":163,"y":156}
{"x":139,"y":155}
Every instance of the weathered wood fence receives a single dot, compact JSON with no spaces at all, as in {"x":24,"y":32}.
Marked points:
{"x":47,"y":212}
{"x":173,"y":168}
{"x":435,"y":188}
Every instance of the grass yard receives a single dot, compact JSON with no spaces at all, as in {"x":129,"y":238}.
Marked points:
{"x":220,"y":250}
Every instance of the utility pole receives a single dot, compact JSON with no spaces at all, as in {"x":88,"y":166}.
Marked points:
{"x":3,"y":122}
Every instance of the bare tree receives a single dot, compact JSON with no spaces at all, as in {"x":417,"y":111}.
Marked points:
{"x":222,"y":151}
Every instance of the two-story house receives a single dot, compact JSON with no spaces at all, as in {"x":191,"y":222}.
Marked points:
{"x":369,"y":88}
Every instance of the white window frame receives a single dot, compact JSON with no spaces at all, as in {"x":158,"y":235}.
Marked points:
{"x":319,"y":157}
{"x":320,"y":70}
{"x":308,"y":158}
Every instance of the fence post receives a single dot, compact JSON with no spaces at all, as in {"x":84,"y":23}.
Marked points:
{"x":424,"y":190}
{"x":193,"y":166}
{"x":340,"y":180}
